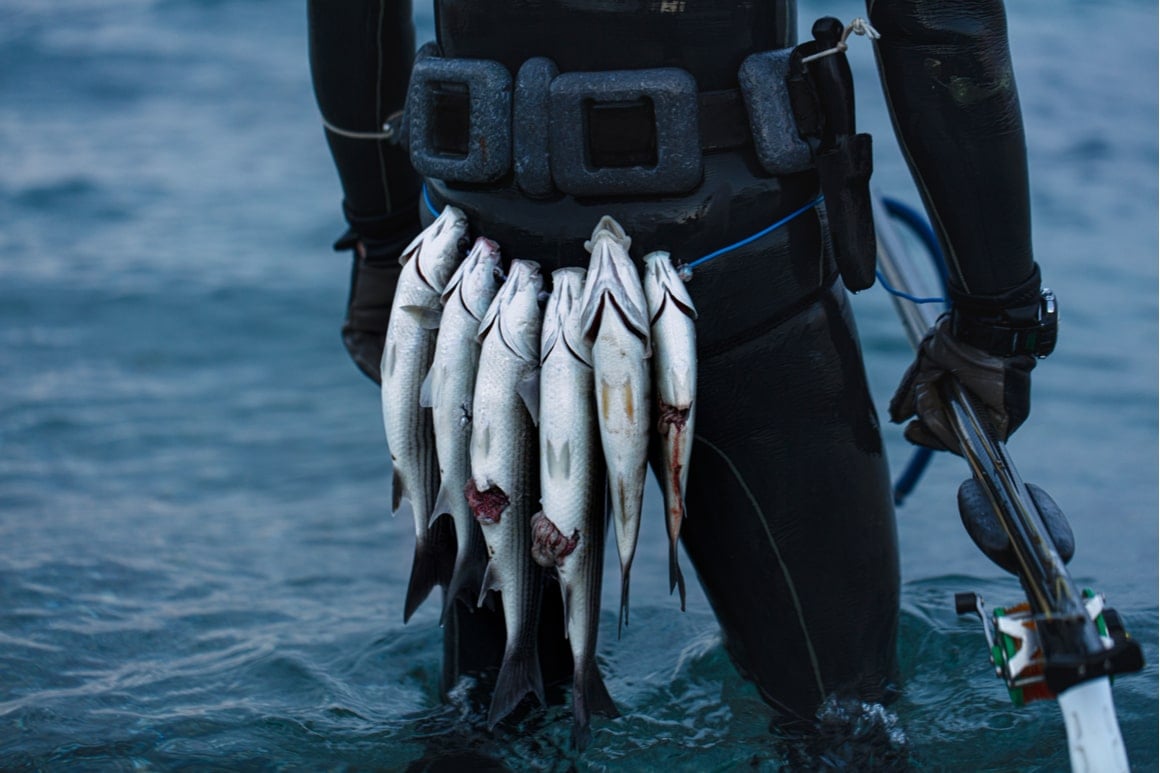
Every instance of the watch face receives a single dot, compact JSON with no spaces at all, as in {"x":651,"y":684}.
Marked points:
{"x":1027,"y":329}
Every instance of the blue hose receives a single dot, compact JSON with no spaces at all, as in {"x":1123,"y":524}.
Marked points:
{"x":920,"y":227}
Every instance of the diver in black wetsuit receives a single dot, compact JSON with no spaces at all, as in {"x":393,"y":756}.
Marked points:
{"x":791,"y":527}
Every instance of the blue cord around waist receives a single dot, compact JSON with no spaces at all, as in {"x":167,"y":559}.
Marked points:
{"x":754,"y":237}
{"x":427,"y":200}
{"x":686,"y":268}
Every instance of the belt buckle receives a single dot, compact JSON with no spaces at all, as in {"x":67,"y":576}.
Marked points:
{"x":584,"y":106}
{"x":460,"y":119}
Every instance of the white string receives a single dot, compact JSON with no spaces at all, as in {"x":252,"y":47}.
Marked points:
{"x":857,"y":26}
{"x":387,"y":133}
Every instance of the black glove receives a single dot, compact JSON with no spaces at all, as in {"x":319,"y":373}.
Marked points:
{"x":374,"y":273}
{"x":1001,"y":386}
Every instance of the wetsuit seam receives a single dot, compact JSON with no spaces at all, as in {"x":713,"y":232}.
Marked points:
{"x":948,"y":249}
{"x":379,"y":104}
{"x":730,"y":343}
{"x":780,"y":562}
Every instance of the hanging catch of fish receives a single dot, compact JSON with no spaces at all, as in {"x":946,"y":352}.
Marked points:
{"x":568,"y":533}
{"x":428,"y":262}
{"x":495,"y":410}
{"x":671,"y":316}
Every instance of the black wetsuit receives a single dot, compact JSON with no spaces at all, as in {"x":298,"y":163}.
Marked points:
{"x":791,"y":528}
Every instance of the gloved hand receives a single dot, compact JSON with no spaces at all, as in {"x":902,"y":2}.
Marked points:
{"x":1001,"y":385}
{"x":375,"y":271}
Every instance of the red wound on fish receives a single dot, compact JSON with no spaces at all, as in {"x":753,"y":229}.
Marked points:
{"x":671,"y":416}
{"x":549,"y":545}
{"x":486,"y":506}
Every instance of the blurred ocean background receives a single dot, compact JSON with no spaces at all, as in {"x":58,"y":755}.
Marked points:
{"x":197,"y":564}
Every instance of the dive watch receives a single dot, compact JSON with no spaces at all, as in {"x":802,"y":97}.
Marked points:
{"x":1029,"y":329}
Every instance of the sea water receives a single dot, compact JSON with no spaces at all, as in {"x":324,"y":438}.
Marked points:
{"x":197,"y":564}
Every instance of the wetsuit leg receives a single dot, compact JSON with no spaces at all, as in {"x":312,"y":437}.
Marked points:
{"x":360,"y":62}
{"x":790,"y":521}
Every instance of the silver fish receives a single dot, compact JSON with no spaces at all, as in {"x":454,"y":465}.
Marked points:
{"x":448,"y":391}
{"x":568,"y":534}
{"x":504,"y":483}
{"x":428,"y":263}
{"x":615,"y":321}
{"x":671,"y":315}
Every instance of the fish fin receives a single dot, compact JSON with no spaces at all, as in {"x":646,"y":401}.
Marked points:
{"x":655,"y":308}
{"x":411,"y":249}
{"x":590,"y":315}
{"x":612,"y":277}
{"x":566,"y":598}
{"x":675,"y":506}
{"x":635,"y":319}
{"x":425,"y":572}
{"x":555,"y":314}
{"x":659,"y":266}
{"x":623,"y":618}
{"x":580,"y":349}
{"x":387,"y":363}
{"x":529,"y":391}
{"x":676,"y":579}
{"x":467,"y":576}
{"x":456,"y":280}
{"x":548,"y":338}
{"x":528,"y":351}
{"x":490,"y":582}
{"x":442,"y":505}
{"x":518,"y":676}
{"x":489,"y":316}
{"x":589,"y":696}
{"x":558,"y":461}
{"x":685,"y":304}
{"x":426,"y":396}
{"x":427,"y":318}
{"x":398,"y":492}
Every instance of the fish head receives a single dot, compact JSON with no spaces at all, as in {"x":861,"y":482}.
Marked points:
{"x":516,"y":309}
{"x":662,"y":283}
{"x":613,"y":285}
{"x":608,"y":228}
{"x":562,"y":316}
{"x":441,"y":248}
{"x":477,"y":279}
{"x":567,"y":289}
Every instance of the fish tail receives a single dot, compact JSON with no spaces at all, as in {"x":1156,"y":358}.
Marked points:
{"x":431,"y":565}
{"x":518,"y":676}
{"x":467,"y":576}
{"x":425,"y":572}
{"x":589,"y":696}
{"x":676,"y":579}
{"x":623,"y":619}
{"x":675,"y":516}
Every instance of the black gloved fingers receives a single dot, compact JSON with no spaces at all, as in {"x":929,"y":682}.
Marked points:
{"x":368,"y":310}
{"x":999,"y":387}
{"x":902,"y":403}
{"x":366,"y":350}
{"x":1017,"y":391}
{"x":930,"y":416}
{"x":917,"y":433}
{"x":375,"y":271}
